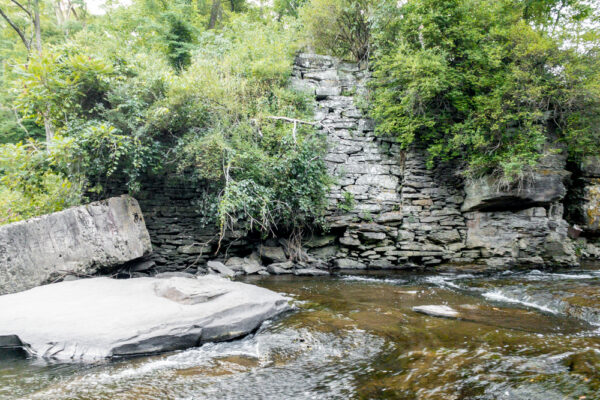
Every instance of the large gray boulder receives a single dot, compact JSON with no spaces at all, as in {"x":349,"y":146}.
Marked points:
{"x":542,"y":188}
{"x":99,"y":318}
{"x":77,"y":241}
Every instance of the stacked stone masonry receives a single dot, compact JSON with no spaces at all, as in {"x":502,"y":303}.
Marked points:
{"x":404,"y":214}
{"x":386,"y":209}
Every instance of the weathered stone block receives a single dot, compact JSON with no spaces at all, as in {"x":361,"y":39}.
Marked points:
{"x":372,"y":236}
{"x":591,"y":206}
{"x":272,"y":254}
{"x":590,"y":167}
{"x":347,"y":263}
{"x":79,"y":240}
{"x":445,"y":236}
{"x":545,"y":187}
{"x":392,"y":216}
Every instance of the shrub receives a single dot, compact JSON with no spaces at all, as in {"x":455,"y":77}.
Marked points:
{"x":476,"y":80}
{"x":339,"y":27}
{"x":29,"y":185}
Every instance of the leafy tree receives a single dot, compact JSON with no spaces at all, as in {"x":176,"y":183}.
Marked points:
{"x":287,"y":7}
{"x":339,"y":27}
{"x":179,"y":38}
{"x":476,"y":79}
{"x":29,"y":184}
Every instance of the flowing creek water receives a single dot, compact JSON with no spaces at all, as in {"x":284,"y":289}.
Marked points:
{"x":523,"y":335}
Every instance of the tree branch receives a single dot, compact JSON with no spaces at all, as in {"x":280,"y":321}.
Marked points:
{"x":298,"y":121}
{"x":17,"y":29}
{"x":22,"y":8}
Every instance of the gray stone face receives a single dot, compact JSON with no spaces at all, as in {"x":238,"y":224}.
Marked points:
{"x":320,"y":241}
{"x":584,"y":199}
{"x":275,"y":269}
{"x":545,"y":187}
{"x":221,"y":269}
{"x":521,"y":238}
{"x":98,"y":318}
{"x":590,"y":205}
{"x":272,"y":254}
{"x":283,"y":265}
{"x":346,"y":263}
{"x":590,"y":167}
{"x":78,"y":241}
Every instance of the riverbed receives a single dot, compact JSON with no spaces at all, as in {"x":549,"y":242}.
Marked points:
{"x":519,"y":335}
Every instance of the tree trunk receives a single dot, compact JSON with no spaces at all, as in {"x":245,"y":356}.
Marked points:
{"x":17,"y":29}
{"x":38,"y":46}
{"x":48,"y":128}
{"x":215,"y":14}
{"x":37,"y":25}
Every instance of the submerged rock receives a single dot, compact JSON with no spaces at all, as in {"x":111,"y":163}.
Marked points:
{"x":310,"y":272}
{"x":101,"y":317}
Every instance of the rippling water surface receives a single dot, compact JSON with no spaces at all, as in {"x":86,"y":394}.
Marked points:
{"x":533,"y":335}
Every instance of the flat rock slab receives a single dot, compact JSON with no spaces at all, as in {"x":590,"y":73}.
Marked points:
{"x":97,"y":318}
{"x":437,"y":311}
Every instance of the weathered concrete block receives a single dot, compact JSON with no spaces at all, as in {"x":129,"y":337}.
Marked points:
{"x":79,"y":240}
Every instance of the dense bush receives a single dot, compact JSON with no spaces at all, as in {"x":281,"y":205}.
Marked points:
{"x":272,"y":172}
{"x":479,"y":80}
{"x":175,"y":99}
{"x":29,"y":183}
{"x":339,"y":27}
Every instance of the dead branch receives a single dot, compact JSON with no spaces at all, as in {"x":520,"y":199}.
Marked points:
{"x":296,"y":121}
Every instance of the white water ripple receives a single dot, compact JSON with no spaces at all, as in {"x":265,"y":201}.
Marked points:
{"x":497,"y":295}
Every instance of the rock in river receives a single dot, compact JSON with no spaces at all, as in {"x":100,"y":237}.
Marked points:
{"x":102,"y":318}
{"x":437,"y":311}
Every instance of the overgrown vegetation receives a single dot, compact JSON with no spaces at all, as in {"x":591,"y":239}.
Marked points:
{"x":199,"y":90}
{"x":161,"y":88}
{"x":489,"y":82}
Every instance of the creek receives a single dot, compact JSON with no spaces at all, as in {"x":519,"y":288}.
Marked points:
{"x":519,"y":335}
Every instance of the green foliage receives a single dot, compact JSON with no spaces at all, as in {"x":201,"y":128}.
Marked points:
{"x":339,"y":27}
{"x":475,"y":79}
{"x":347,"y":203}
{"x":167,"y":97}
{"x":29,"y":183}
{"x":272,"y":174}
{"x":63,"y":87}
{"x":179,"y":38}
{"x":287,"y":7}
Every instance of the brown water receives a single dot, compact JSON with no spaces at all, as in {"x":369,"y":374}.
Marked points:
{"x":520,"y":336}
